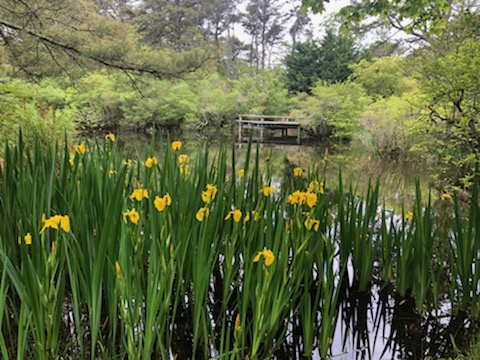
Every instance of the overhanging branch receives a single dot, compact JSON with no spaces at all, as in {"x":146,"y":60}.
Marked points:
{"x":105,"y":62}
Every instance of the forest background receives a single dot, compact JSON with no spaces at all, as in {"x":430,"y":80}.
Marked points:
{"x":401,"y":76}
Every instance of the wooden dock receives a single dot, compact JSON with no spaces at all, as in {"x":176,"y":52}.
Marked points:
{"x":262,"y":122}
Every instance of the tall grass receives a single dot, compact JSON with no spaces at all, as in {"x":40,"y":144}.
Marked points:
{"x":163,"y":250}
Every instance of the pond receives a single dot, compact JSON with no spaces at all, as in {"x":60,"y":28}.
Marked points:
{"x":395,"y":176}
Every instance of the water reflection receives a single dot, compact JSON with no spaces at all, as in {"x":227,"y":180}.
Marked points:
{"x":378,"y":326}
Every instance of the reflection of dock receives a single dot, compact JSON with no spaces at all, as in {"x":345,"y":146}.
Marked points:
{"x":262,"y":122}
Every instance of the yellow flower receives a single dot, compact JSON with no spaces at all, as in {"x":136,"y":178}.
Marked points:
{"x":110,"y":137}
{"x":182,"y":159}
{"x":315,"y":186}
{"x":409,"y":215}
{"x":446,"y":197}
{"x":246,"y":218}
{"x":202,"y":213}
{"x":209,"y":194}
{"x":162,"y":202}
{"x":312,"y":223}
{"x":150,"y":162}
{"x":294,"y":198}
{"x":55,"y":222}
{"x":238,"y":328}
{"x":27,"y":239}
{"x":267,"y":256}
{"x":133,"y":215}
{"x":176,"y":145}
{"x":311,"y":199}
{"x":289,"y":224}
{"x":269,"y":152}
{"x":81,"y":148}
{"x":297,"y":171}
{"x":256,"y":215}
{"x":237,"y":215}
{"x":118,"y":270}
{"x":138,"y":194}
{"x":241,"y":173}
{"x":321,"y":189}
{"x":267,"y":190}
{"x":184,"y":170}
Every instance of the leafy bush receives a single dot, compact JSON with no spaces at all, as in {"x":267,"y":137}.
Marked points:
{"x":452,"y":92}
{"x":397,"y":125}
{"x":25,"y":106}
{"x":382,"y":77}
{"x":332,"y":111}
{"x":160,"y":103}
{"x":95,"y":101}
{"x":262,"y":94}
{"x":217,"y":102}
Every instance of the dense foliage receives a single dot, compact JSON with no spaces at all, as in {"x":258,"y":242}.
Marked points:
{"x":179,"y":64}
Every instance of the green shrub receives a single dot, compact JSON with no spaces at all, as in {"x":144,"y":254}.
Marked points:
{"x":397,"y":125}
{"x":160,"y":103}
{"x":332,"y":111}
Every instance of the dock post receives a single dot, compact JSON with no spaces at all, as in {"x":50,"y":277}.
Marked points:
{"x":240,"y":129}
{"x":261,"y":130}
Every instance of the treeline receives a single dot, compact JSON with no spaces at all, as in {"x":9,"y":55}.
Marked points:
{"x":114,"y":63}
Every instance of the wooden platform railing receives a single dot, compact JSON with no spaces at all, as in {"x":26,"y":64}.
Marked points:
{"x":261,"y":122}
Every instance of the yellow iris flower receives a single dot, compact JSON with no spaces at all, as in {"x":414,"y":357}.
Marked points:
{"x":446,"y":197}
{"x":184,"y":171}
{"x":133,"y":215}
{"x":267,"y":190}
{"x":312,"y":223}
{"x":297,"y":172}
{"x":110,"y":137}
{"x":202,"y":213}
{"x":182,"y":159}
{"x":237,"y":215}
{"x":162,"y":202}
{"x":138,"y":194}
{"x":176,"y":145}
{"x":55,"y":222}
{"x":150,"y":162}
{"x":268,"y":257}
{"x":27,"y":239}
{"x":81,"y":148}
{"x":209,"y":194}
{"x":311,"y":199}
{"x":238,"y":327}
{"x":118,"y":270}
{"x":297,"y":197}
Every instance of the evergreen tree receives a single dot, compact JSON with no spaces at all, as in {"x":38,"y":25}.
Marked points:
{"x":329,"y":61}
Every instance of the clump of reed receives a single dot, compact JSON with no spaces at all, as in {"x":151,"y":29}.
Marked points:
{"x":113,"y":255}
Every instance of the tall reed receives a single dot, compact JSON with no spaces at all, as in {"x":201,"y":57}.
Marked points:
{"x":160,"y":246}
